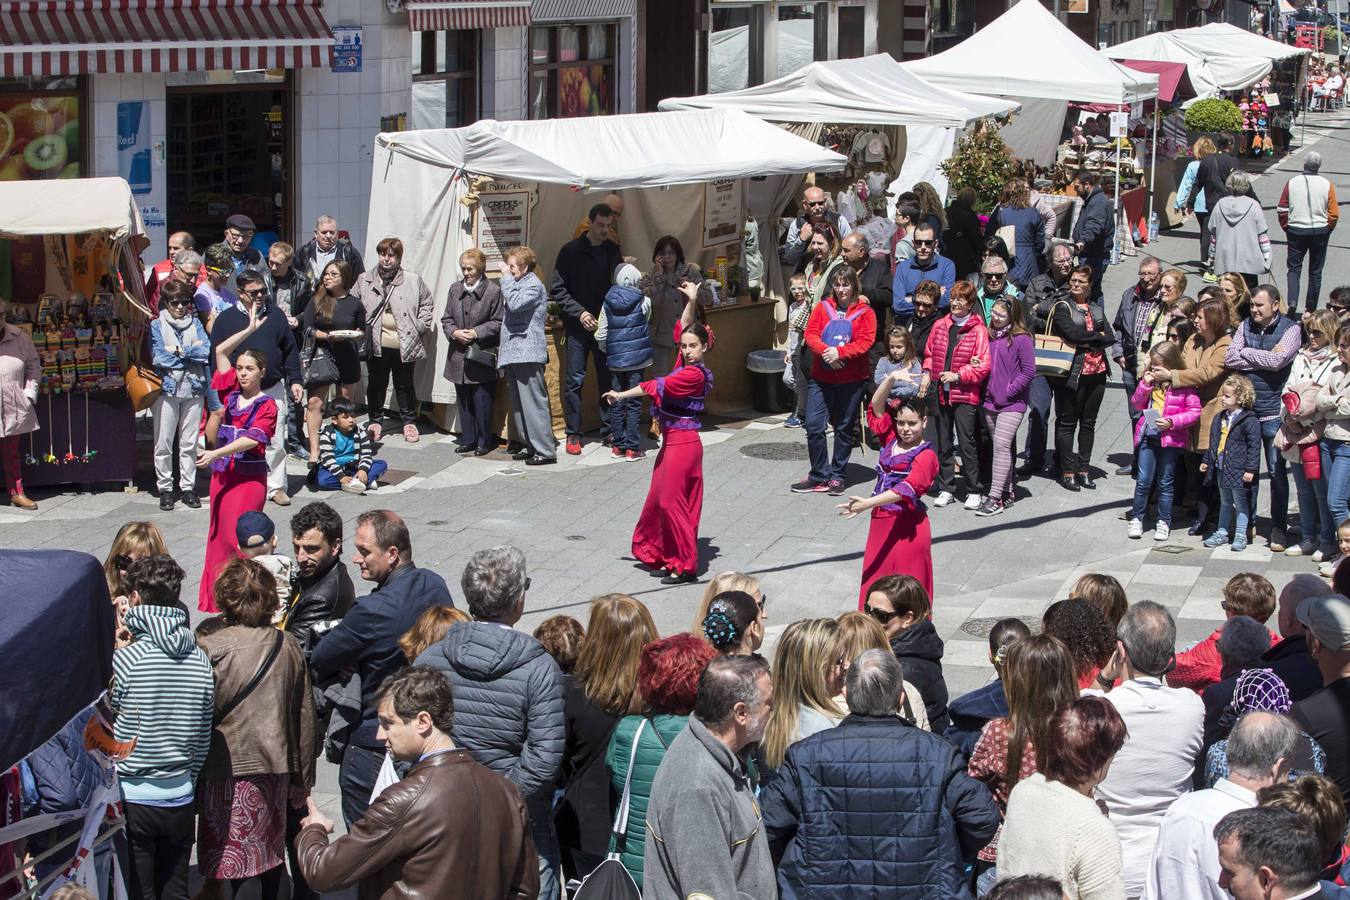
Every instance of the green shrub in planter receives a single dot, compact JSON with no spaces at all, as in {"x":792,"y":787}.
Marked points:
{"x":1214,"y":115}
{"x":980,"y":160}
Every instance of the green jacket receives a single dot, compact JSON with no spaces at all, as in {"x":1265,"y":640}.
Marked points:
{"x":656,"y":738}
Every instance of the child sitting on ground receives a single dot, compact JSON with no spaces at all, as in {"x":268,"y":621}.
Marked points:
{"x":347,"y":452}
{"x":257,"y":537}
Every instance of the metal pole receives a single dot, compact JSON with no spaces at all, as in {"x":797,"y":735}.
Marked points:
{"x":1153,"y":160}
{"x":1116,"y":204}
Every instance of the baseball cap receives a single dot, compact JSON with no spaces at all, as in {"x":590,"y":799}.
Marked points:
{"x":254,"y":529}
{"x":1328,"y":619}
{"x":240,"y":222}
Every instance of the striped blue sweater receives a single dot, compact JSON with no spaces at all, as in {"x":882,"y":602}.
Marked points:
{"x":164,"y":692}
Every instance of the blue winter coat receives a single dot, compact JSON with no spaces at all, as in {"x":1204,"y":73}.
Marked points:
{"x":1241,"y":453}
{"x":628,"y":340}
{"x":193,"y":365}
{"x":971,"y":712}
{"x":875,"y":808}
{"x":1029,"y":237}
{"x":59,"y":776}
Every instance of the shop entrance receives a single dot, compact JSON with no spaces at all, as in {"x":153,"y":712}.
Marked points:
{"x":229,"y":151}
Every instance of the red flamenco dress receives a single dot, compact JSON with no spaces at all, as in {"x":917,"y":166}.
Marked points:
{"x":899,"y":541}
{"x":238,"y":482}
{"x":666,"y":535}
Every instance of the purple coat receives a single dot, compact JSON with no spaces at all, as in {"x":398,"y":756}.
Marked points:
{"x":1010,"y":376}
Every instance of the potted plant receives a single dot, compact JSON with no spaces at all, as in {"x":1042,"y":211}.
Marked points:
{"x":1331,"y":40}
{"x":981,"y":160}
{"x":1212,"y":116}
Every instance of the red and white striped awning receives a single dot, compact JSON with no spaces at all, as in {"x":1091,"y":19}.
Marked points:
{"x":450,"y":15}
{"x":80,"y":37}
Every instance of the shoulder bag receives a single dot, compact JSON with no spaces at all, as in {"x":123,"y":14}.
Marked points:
{"x":143,"y":386}
{"x":253,"y":683}
{"x":1054,"y":355}
{"x":369,"y":342}
{"x":481,"y":356}
{"x":610,"y":880}
{"x":317,"y":366}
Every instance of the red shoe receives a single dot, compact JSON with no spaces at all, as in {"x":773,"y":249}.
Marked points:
{"x":616,"y":452}
{"x":573,"y":445}
{"x":634,"y":455}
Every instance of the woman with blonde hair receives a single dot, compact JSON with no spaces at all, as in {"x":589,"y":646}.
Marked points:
{"x":1171,"y":293}
{"x":134,"y":540}
{"x":858,"y":633}
{"x":721,"y":583}
{"x":602,"y":690}
{"x":430,"y":628}
{"x":1300,"y":429}
{"x":1191,"y":194}
{"x":808,"y":673}
{"x":1235,"y":292}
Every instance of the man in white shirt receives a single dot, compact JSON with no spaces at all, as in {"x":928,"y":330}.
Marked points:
{"x":1166,"y":728}
{"x":1186,"y":858}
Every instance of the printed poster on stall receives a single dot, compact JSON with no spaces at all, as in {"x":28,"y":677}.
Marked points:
{"x":723,"y":212}
{"x":502,"y":219}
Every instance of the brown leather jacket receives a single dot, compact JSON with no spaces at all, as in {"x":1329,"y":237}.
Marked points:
{"x":451,"y":830}
{"x":272,"y":731}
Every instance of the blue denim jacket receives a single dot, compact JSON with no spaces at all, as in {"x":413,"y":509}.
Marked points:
{"x":194,"y":364}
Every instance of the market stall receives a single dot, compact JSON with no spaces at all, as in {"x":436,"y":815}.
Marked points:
{"x":56,"y":650}
{"x":495,"y":185}
{"x":1058,"y":68}
{"x":848,"y":102}
{"x":70,"y":268}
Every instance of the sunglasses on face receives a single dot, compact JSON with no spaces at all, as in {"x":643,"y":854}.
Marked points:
{"x":244,"y":292}
{"x":180,"y":302}
{"x":1314,"y":333}
{"x":994,"y":276}
{"x":919,"y":242}
{"x":881,"y":615}
{"x":122,"y":561}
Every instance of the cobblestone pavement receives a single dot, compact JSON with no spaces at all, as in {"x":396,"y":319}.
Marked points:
{"x":574,"y":520}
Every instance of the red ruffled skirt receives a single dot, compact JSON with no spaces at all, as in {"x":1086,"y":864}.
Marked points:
{"x":666,"y":535}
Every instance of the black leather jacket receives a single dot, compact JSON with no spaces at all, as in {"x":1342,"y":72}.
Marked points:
{"x":344,"y":252}
{"x":325,"y":596}
{"x":297,"y":281}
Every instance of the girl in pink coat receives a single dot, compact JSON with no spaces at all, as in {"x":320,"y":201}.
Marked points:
{"x":1160,"y":434}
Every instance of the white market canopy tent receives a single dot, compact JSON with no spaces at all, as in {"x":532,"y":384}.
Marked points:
{"x":425,"y":187}
{"x":1219,"y":57}
{"x":71,"y":206}
{"x":1029,"y":55}
{"x":871,"y":90}
{"x":609,"y":152}
{"x":1027,"y":52}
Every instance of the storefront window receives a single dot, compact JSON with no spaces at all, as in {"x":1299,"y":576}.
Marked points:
{"x":735,"y":48}
{"x":572,"y":71}
{"x":41,"y":129}
{"x":852,"y":41}
{"x":801,"y":37}
{"x":444,"y":79}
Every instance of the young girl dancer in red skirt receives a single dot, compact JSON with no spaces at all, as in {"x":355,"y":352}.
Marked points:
{"x":899,"y":541}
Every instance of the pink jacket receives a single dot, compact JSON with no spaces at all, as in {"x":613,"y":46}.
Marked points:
{"x":972,"y":343}
{"x":1181,"y":405}
{"x":20,"y":371}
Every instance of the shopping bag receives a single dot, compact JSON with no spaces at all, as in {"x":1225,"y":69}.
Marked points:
{"x":610,"y":880}
{"x":1054,"y":355}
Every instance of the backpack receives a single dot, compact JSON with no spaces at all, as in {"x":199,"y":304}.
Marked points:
{"x":839,"y":330}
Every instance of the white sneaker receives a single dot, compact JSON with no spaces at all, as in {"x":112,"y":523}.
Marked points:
{"x":1162,"y":531}
{"x":354,"y":487}
{"x":1328,"y":568}
{"x":1319,"y":555}
{"x":974,"y":501}
{"x":944,"y":498}
{"x":1135,"y":530}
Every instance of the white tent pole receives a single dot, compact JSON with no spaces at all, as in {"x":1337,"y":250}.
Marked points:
{"x":1153,"y":160}
{"x":1116,"y":204}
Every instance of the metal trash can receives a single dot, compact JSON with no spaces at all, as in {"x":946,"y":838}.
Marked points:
{"x":768,"y":392}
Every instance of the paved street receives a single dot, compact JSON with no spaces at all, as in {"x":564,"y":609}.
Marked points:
{"x":574,"y":520}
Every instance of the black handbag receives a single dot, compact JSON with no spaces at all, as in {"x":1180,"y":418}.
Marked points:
{"x":317,"y":366}
{"x":481,"y":356}
{"x":610,"y":880}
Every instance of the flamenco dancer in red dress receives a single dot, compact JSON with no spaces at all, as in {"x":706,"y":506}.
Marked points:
{"x":899,"y":541}
{"x":666,"y":535}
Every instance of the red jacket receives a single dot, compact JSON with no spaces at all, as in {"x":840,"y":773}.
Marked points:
{"x":1201,"y":666}
{"x":158,"y":274}
{"x":854,"y":353}
{"x":972,"y":344}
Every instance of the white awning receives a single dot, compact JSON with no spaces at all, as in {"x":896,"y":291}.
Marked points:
{"x":71,"y":206}
{"x":1027,"y":52}
{"x":873,"y":90}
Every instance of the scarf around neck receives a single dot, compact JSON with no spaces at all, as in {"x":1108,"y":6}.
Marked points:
{"x":172,"y":328}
